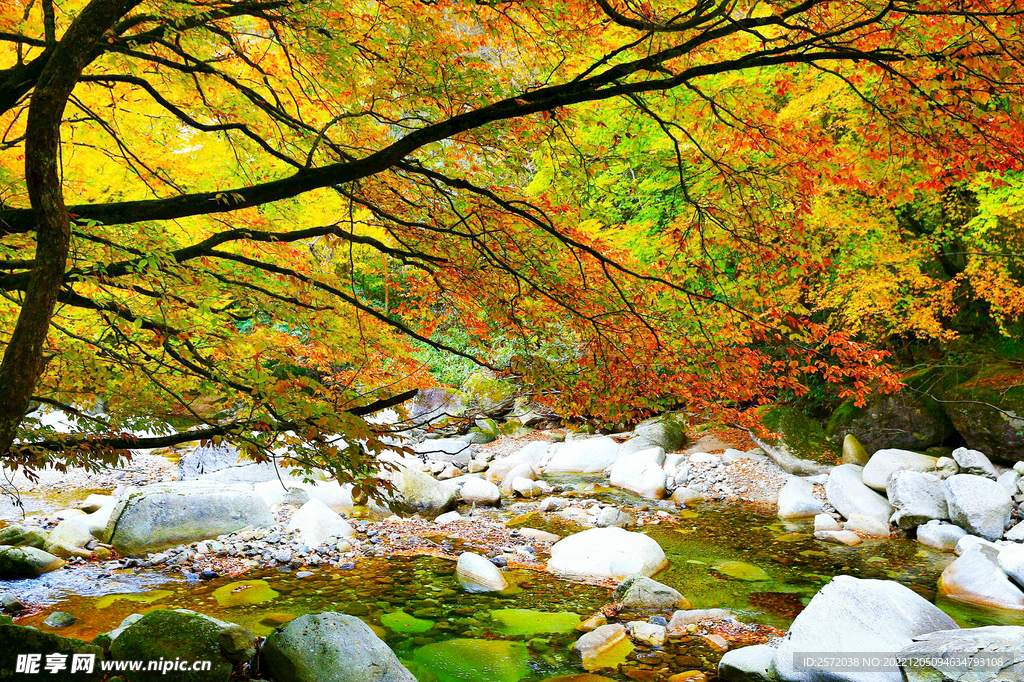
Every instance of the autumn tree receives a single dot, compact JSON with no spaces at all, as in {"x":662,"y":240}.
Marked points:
{"x":251,"y":219}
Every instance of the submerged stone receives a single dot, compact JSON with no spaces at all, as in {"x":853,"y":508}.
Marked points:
{"x":475,"y":660}
{"x":742,"y":571}
{"x":244,"y":592}
{"x":527,"y":622}
{"x":400,"y":621}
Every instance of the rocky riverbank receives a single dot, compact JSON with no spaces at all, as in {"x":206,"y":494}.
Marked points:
{"x":543,"y":502}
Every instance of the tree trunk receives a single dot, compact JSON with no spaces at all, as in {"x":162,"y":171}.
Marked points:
{"x":24,"y":360}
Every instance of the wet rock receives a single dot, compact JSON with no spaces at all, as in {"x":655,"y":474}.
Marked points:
{"x":686,"y":495}
{"x":640,"y":592}
{"x":970,"y":654}
{"x":477,"y":574}
{"x":589,"y":455}
{"x":21,"y":640}
{"x":180,"y":634}
{"x":647,"y":634}
{"x":23,"y":536}
{"x":797,"y":500}
{"x":847,"y":493}
{"x":598,"y":641}
{"x":978,"y":505}
{"x":876,"y":615}
{"x":976,"y":577}
{"x":941,"y":536}
{"x":885,"y":463}
{"x":166,"y":514}
{"x":26,"y":562}
{"x":917,"y":498}
{"x":11,"y":604}
{"x":316,"y":523}
{"x":606,"y":553}
{"x":677,"y":626}
{"x":331,"y":647}
{"x":839,"y":537}
{"x":614,"y":517}
{"x":640,"y":471}
{"x":748,"y":664}
{"x":479,"y":491}
{"x":59,"y":619}
{"x":974,"y":462}
{"x":868,"y":525}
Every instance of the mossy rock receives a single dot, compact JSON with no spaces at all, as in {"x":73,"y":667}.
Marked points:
{"x":24,"y":640}
{"x":185,"y":635}
{"x":23,"y":536}
{"x":988,"y":411}
{"x":800,"y":445}
{"x":490,"y":395}
{"x":26,"y":562}
{"x":910,"y":419}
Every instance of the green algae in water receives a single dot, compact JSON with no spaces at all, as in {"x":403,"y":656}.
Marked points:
{"x":400,"y":621}
{"x":527,"y":622}
{"x":740,"y":570}
{"x":475,"y":660}
{"x":244,"y":593}
{"x":139,"y":597}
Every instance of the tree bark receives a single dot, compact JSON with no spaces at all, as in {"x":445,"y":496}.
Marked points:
{"x":24,"y":360}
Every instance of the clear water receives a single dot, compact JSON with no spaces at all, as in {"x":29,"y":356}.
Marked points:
{"x":721,"y":555}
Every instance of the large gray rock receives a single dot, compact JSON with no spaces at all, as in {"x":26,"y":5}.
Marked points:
{"x":23,"y":536}
{"x":851,"y":615}
{"x":941,"y":536}
{"x":988,"y":411}
{"x":799,"y":444}
{"x":316,"y":523}
{"x":606,"y":553}
{"x":1011,"y":560}
{"x":917,"y":498}
{"x":975,"y":577}
{"x":797,"y":500}
{"x":970,"y":655}
{"x":180,"y":634}
{"x":26,"y":562}
{"x":531,"y":455}
{"x":162,"y":515}
{"x":19,"y":640}
{"x":226,"y":464}
{"x":589,"y":455}
{"x":974,"y":462}
{"x":885,"y":463}
{"x":69,"y":538}
{"x":416,"y":492}
{"x":848,"y":494}
{"x":666,"y":432}
{"x":479,"y":491}
{"x":641,"y":472}
{"x":641,"y":592}
{"x":908,"y":419}
{"x":331,"y":647}
{"x":748,"y":664}
{"x":978,"y":505}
